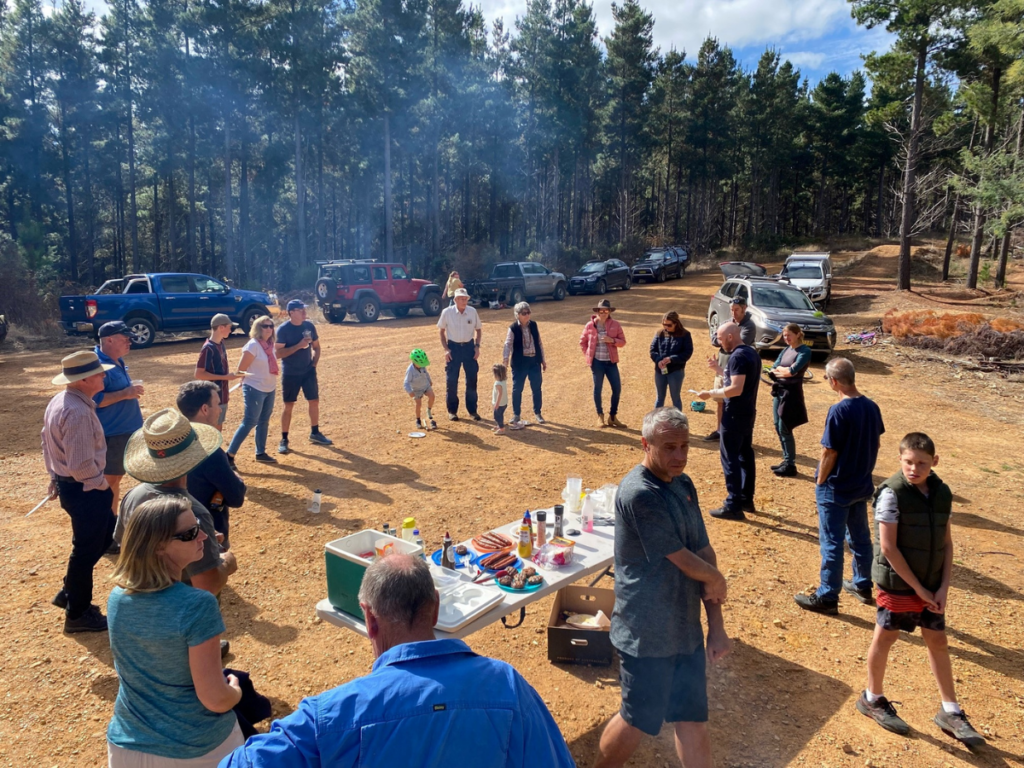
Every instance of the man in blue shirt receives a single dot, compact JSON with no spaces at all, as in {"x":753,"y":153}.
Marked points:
{"x":853,"y":430}
{"x":740,"y":378}
{"x":427,"y":703}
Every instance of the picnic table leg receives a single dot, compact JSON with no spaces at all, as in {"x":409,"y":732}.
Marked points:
{"x":601,"y":575}
{"x":522,"y":615}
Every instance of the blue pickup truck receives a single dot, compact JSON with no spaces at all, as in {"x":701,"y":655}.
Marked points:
{"x":174,"y":302}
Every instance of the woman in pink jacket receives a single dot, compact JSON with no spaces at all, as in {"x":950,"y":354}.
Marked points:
{"x":600,"y":342}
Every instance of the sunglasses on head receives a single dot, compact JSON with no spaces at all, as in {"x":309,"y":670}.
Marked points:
{"x":190,"y":534}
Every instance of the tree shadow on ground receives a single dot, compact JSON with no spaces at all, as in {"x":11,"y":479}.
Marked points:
{"x":293,"y":509}
{"x":240,"y":618}
{"x":792,"y":703}
{"x":782,"y":525}
{"x":980,"y":584}
{"x":864,"y":363}
{"x":971,"y":520}
{"x":367,"y":469}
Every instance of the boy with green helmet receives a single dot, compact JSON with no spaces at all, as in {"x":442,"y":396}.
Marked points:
{"x":418,"y":384}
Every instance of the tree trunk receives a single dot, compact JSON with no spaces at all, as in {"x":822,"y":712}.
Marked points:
{"x":172,"y":222}
{"x":979,"y":210}
{"x":229,"y":224}
{"x":910,"y":176}
{"x":247,"y":265}
{"x":1004,"y":252}
{"x":389,"y":221}
{"x":192,"y":219}
{"x":68,"y":196}
{"x":300,"y":195}
{"x":321,"y":224}
{"x":156,"y":223}
{"x":134,"y":210}
{"x":90,"y":212}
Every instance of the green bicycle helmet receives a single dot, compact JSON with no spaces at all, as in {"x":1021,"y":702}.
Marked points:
{"x":419,"y":358}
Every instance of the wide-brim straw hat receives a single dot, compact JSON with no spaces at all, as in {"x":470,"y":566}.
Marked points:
{"x":604,"y":304}
{"x":80,"y":365}
{"x":168,"y":446}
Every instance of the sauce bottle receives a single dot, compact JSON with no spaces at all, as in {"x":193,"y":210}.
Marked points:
{"x":408,"y":526}
{"x":447,"y":552}
{"x":525,"y":539}
{"x":559,"y":516}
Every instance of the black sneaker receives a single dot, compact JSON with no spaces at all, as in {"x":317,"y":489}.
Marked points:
{"x":113,"y":549}
{"x":777,"y":467}
{"x":749,"y":507}
{"x":265,"y":458}
{"x":815,"y":604}
{"x":60,"y":599}
{"x":453,"y":417}
{"x":419,"y":424}
{"x":864,"y":595}
{"x":956,"y":725}
{"x":789,"y":470}
{"x":727,"y":514}
{"x":319,"y":439}
{"x":884,"y":713}
{"x":90,"y":621}
{"x":282,"y":447}
{"x":225,"y":648}
{"x":476,"y":416}
{"x":231,"y":462}
{"x":712,"y":438}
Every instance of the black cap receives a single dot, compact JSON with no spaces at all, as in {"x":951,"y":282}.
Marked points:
{"x":739,"y":300}
{"x":114,"y":328}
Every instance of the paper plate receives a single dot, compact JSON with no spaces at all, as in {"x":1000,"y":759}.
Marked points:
{"x":417,"y":434}
{"x":460,"y":560}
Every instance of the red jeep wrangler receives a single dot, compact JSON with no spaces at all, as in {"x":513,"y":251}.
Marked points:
{"x":366,"y":287}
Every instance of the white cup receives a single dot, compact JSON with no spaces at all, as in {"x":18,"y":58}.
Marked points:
{"x":136,"y":382}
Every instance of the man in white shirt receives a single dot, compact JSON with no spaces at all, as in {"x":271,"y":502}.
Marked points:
{"x":460,"y":338}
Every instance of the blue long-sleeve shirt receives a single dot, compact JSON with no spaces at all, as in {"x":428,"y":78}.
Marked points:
{"x":431,"y":704}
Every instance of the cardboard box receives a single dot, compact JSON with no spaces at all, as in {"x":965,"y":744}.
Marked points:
{"x":571,"y":645}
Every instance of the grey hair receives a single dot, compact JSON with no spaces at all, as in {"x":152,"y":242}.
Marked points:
{"x":520,"y":307}
{"x":841,"y":370}
{"x":667,"y":418}
{"x":398,"y":589}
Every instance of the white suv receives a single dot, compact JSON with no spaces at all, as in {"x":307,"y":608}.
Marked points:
{"x":812,"y":274}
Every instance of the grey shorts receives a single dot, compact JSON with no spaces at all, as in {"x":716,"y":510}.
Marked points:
{"x":115,"y":454}
{"x":663,"y":690}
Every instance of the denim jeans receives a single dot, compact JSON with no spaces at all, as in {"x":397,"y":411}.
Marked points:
{"x":600,"y":369}
{"x":258,"y":407}
{"x":499,"y":415}
{"x":528,"y":369}
{"x":840,"y":518}
{"x":673,"y":382}
{"x":785,"y":436}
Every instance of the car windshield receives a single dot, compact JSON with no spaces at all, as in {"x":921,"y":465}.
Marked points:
{"x":803,"y":271}
{"x":589,"y":269}
{"x":777,"y":297}
{"x":654,"y":256}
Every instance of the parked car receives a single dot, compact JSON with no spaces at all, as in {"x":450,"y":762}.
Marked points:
{"x":162,"y":301}
{"x":684,"y":258}
{"x":513,"y":281}
{"x":657,"y":264}
{"x":3,"y":328}
{"x":366,"y":288}
{"x":600,"y":276}
{"x":772,"y":305}
{"x":812,"y":274}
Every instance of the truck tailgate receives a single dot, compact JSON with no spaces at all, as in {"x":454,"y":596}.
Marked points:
{"x":72,"y":308}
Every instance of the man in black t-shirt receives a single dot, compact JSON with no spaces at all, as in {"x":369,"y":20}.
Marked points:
{"x":298,"y":349}
{"x":740,"y":379}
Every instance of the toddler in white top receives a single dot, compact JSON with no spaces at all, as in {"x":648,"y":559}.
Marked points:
{"x":499,"y":397}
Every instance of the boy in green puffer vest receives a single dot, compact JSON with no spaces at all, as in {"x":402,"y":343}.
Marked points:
{"x":912,"y":566}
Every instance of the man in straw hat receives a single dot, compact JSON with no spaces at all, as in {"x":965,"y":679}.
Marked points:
{"x":75,"y":454}
{"x":160,"y":456}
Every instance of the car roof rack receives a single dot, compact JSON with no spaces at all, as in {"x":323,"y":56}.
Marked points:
{"x":346,"y":261}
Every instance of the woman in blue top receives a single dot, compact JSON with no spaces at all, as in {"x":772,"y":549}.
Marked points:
{"x":174,"y":704}
{"x":671,"y":348}
{"x":788,"y":406}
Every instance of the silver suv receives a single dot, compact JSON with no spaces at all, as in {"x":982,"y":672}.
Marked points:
{"x":772,"y":305}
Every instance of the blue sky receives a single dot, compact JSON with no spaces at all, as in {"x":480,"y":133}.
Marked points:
{"x":818,"y":36}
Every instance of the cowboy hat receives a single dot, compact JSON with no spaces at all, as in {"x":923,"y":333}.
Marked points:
{"x":168,"y":446}
{"x":604,"y":304}
{"x":80,"y":365}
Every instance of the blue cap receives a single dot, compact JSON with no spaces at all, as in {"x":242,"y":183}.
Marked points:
{"x":296,"y":304}
{"x":114,"y":328}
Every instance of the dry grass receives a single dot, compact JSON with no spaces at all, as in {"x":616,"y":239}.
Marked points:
{"x":960,"y":333}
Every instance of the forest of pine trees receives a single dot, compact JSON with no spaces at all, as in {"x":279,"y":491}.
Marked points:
{"x":248,"y":139}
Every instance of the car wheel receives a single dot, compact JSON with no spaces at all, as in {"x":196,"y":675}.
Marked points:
{"x":713,"y":326}
{"x":432,"y":304}
{"x":333,"y":318}
{"x":250,"y":317}
{"x":400,"y":311}
{"x":628,"y":284}
{"x":661,"y":276}
{"x":143,"y":332}
{"x":368,"y":310}
{"x":602,"y":287}
{"x":559,"y":293}
{"x":516,"y":296}
{"x":325,"y":290}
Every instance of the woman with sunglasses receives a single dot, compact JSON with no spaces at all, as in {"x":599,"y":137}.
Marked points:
{"x":174,"y":703}
{"x":671,"y":348}
{"x":600,"y":341}
{"x":259,"y":363}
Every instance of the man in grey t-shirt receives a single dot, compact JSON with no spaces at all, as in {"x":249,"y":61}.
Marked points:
{"x":665,"y":568}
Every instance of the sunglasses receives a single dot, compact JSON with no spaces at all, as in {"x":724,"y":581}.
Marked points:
{"x":190,"y":534}
{"x":604,"y":311}
{"x":267,"y":325}
{"x":525,"y":312}
{"x":668,"y":325}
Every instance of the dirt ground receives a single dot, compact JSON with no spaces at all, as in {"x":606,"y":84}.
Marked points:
{"x":784,"y":696}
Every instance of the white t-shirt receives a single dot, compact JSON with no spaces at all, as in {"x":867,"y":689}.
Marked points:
{"x":259,"y":371}
{"x":459,"y":327}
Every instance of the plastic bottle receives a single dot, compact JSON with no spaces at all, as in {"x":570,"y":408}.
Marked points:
{"x":529,"y":522}
{"x":386,"y":528}
{"x":314,"y":503}
{"x":559,"y":517}
{"x":542,"y":528}
{"x":408,"y":526}
{"x":447,"y":552}
{"x":525,"y":538}
{"x":587,"y":515}
{"x":418,"y":541}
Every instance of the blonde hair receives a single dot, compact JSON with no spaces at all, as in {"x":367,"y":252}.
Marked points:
{"x":500,"y":371}
{"x":140,"y":568}
{"x":254,"y":329}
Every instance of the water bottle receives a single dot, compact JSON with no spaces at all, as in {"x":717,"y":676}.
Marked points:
{"x":418,"y":541}
{"x":314,"y":503}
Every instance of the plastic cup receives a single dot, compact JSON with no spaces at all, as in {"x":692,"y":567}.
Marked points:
{"x":136,"y":382}
{"x":574,"y":485}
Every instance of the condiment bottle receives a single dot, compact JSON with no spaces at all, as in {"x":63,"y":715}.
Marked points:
{"x":314,"y":503}
{"x":525,"y":539}
{"x":447,"y":552}
{"x":418,"y":541}
{"x":408,"y":526}
{"x":559,"y":515}
{"x":387,"y":529}
{"x":529,"y":522}
{"x":542,"y":528}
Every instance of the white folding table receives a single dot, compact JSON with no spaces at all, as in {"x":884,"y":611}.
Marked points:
{"x":593,"y":552}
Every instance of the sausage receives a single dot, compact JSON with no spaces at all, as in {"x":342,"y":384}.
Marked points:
{"x":498,"y":561}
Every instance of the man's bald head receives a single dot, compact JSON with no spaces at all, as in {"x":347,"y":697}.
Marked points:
{"x":729,"y":336}
{"x":399,"y":590}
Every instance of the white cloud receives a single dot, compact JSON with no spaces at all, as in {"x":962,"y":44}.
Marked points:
{"x":805,"y":59}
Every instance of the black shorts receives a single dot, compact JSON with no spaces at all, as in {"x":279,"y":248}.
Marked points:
{"x":115,"y":454}
{"x":908,"y":622}
{"x":663,"y":690}
{"x":290,"y":386}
